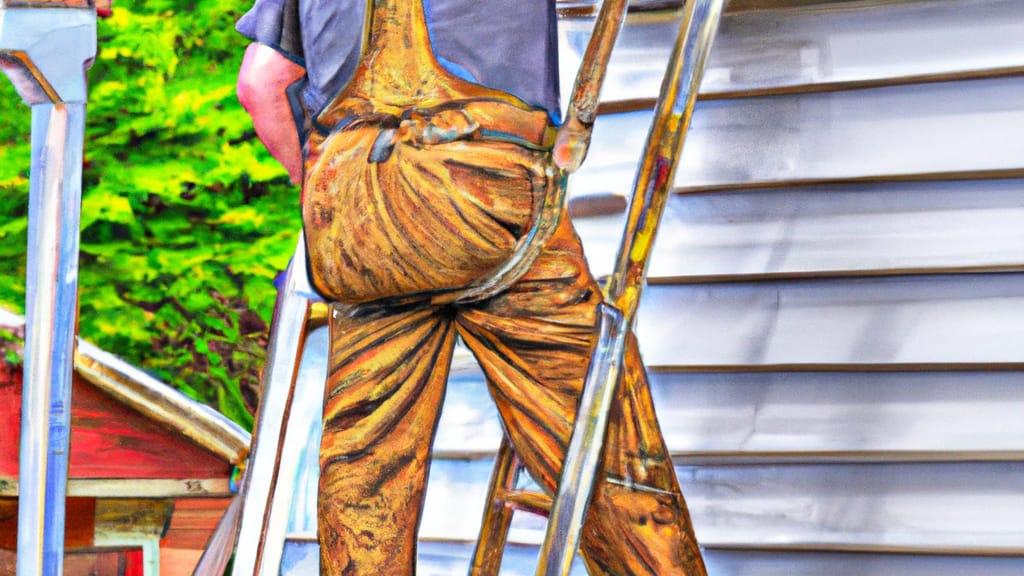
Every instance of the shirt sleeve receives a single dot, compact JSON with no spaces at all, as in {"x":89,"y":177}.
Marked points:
{"x":511,"y":45}
{"x":275,"y":23}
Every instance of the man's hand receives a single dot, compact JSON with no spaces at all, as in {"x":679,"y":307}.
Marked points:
{"x":262,"y":80}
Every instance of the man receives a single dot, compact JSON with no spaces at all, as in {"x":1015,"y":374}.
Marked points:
{"x":384,"y":177}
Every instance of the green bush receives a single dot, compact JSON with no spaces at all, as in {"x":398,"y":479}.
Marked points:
{"x":185,"y":217}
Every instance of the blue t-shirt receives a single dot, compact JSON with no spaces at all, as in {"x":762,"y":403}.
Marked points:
{"x":510,"y":45}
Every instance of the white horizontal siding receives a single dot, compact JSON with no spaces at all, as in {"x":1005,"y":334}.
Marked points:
{"x":878,"y":413}
{"x":879,"y":133}
{"x":812,"y":47}
{"x":798,"y":416}
{"x":446,"y":559}
{"x":969,"y":318}
{"x":932,"y":507}
{"x":867,"y":228}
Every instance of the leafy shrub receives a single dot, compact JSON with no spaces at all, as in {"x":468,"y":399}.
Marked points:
{"x":185,"y":217}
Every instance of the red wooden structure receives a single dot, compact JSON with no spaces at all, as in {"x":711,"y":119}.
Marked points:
{"x":150,"y":470}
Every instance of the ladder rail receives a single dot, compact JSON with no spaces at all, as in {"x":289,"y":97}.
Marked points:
{"x":662,"y":151}
{"x":650,"y":193}
{"x":261,"y":529}
{"x":487,"y":556}
{"x":580,"y":469}
{"x":45,"y":51}
{"x":571,"y":145}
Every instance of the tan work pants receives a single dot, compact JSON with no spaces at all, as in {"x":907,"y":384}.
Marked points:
{"x":385,"y":385}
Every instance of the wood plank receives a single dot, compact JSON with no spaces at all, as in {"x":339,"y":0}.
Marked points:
{"x":968,"y":128}
{"x":109,"y":440}
{"x":147,"y":488}
{"x":8,"y":562}
{"x":191,"y":526}
{"x":78,"y":523}
{"x":145,"y":397}
{"x":897,"y":321}
{"x":133,"y":488}
{"x":796,"y":416}
{"x":155,"y":401}
{"x":11,"y":378}
{"x":853,"y":229}
{"x":122,"y":561}
{"x":119,"y":517}
{"x":817,"y":47}
{"x":178,"y":561}
{"x":940,"y":508}
{"x":199,"y":513}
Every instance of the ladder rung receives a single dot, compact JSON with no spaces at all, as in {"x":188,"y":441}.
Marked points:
{"x":319,"y":314}
{"x":525,"y":500}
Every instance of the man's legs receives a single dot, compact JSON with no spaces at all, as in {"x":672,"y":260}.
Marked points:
{"x":534,"y":343}
{"x":385,"y":384}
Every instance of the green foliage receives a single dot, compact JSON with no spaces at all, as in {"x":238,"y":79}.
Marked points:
{"x":185,"y":217}
{"x":11,"y":349}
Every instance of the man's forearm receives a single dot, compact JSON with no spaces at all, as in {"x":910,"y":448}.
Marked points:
{"x":262,"y":81}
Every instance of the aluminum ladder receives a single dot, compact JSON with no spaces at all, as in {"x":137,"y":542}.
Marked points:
{"x":652,"y":185}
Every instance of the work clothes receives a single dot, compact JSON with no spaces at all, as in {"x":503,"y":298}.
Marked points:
{"x":509,"y":45}
{"x":418,"y":182}
{"x":386,"y":379}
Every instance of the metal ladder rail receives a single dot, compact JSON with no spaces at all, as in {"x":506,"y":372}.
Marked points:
{"x":45,"y":49}
{"x":650,"y":193}
{"x":263,"y":515}
{"x":256,"y":520}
